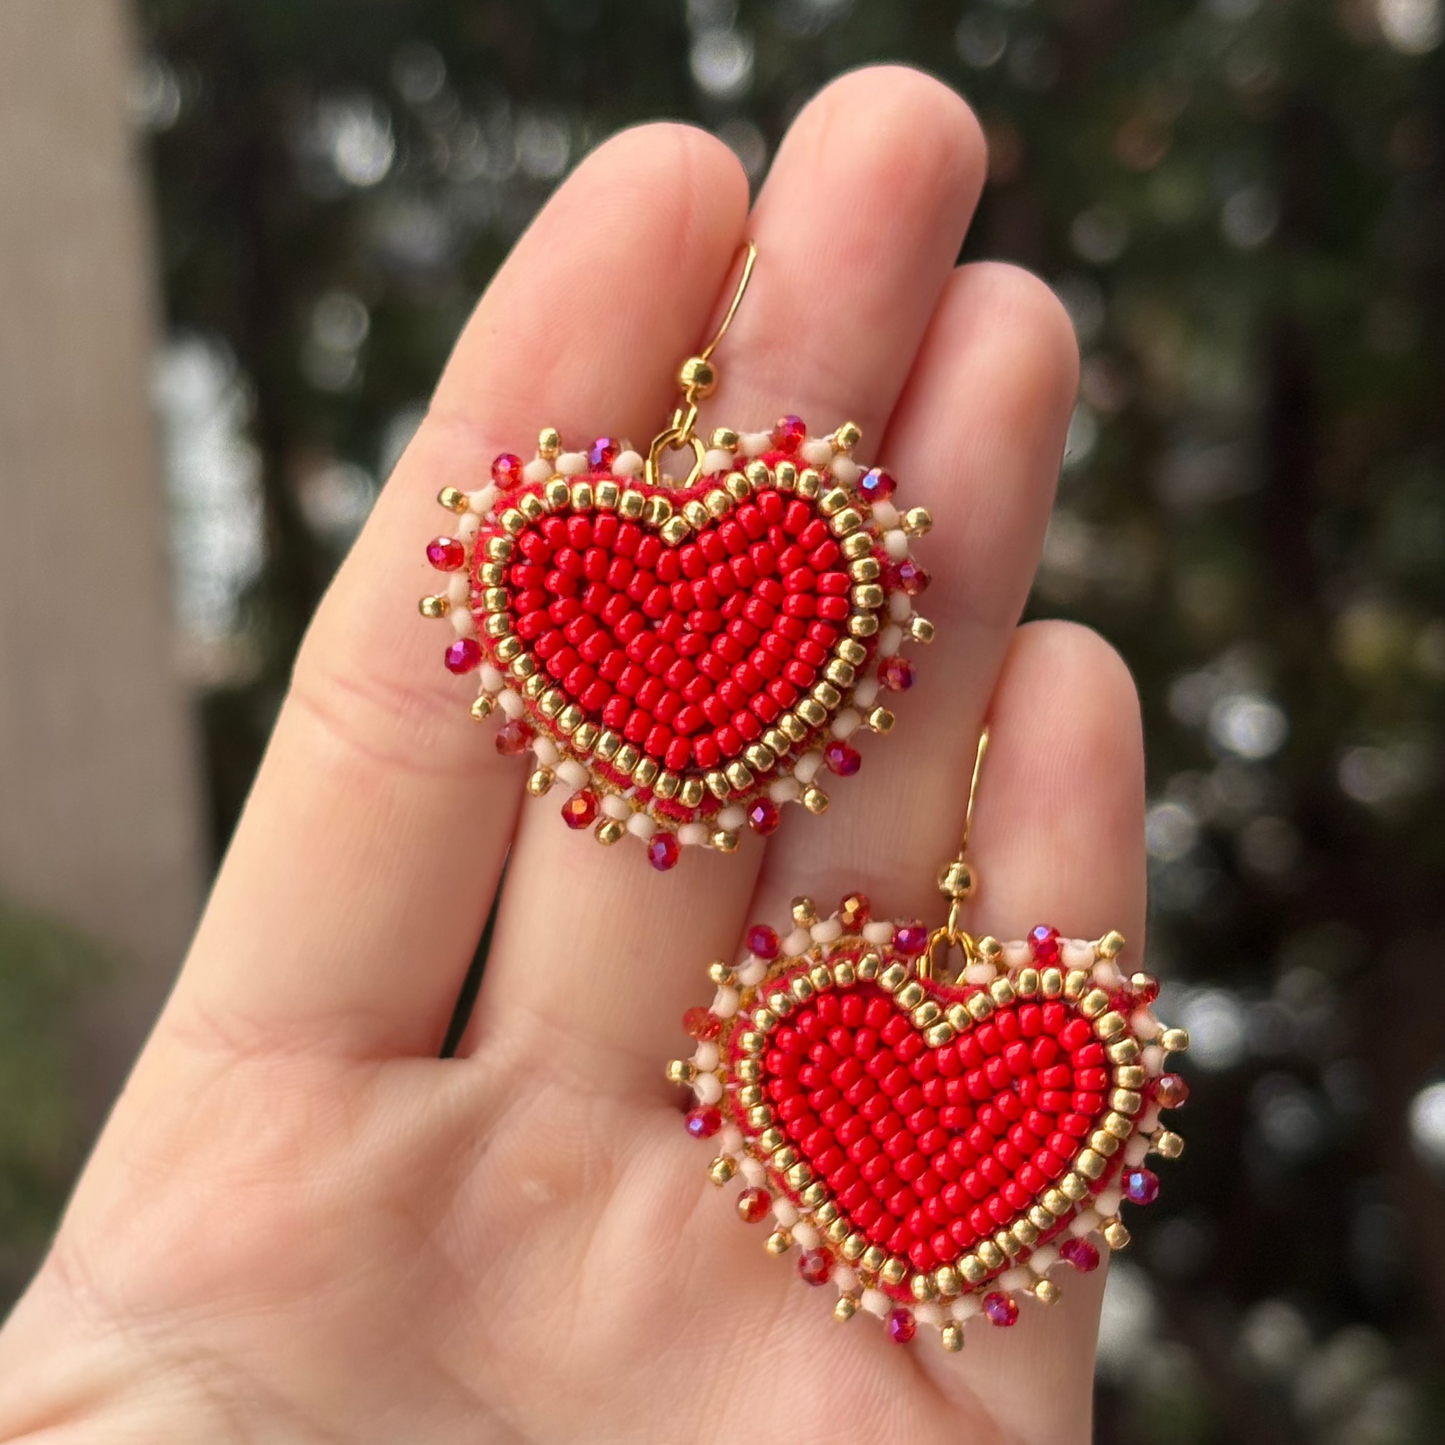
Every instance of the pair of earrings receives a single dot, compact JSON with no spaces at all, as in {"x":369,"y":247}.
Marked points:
{"x":686,"y":657}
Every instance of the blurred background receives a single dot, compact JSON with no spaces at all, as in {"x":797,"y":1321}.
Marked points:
{"x":237,"y":238}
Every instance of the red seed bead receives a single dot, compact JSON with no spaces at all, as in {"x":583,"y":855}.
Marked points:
{"x":446,"y":554}
{"x":702,"y":1024}
{"x":815,"y":1266}
{"x":901,"y":1326}
{"x":764,"y":817}
{"x":1044,"y":945}
{"x":876,"y":485}
{"x":789,"y":433}
{"x":1170,"y":1091}
{"x":763,"y":942}
{"x":507,"y":472}
{"x":1080,"y":1253}
{"x":602,"y":453}
{"x":513,"y":738}
{"x":842,"y":758}
{"x":1000,"y":1309}
{"x":663,"y":851}
{"x":753,"y":1204}
{"x":580,"y":810}
{"x":1141,"y":1186}
{"x":896,"y":674}
{"x":910,"y":938}
{"x":463,"y":655}
{"x":907,"y":577}
{"x":703,"y":1121}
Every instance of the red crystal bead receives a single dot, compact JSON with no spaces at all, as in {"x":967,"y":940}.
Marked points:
{"x":446,"y":554}
{"x":753,"y":1204}
{"x":910,"y":938}
{"x":463,"y":655}
{"x":602,"y":453}
{"x":789,"y":433}
{"x":1170,"y":1091}
{"x":1141,"y":1186}
{"x":908,"y":577}
{"x":663,"y":851}
{"x":702,"y":1024}
{"x":763,"y":942}
{"x":1080,"y":1253}
{"x":513,"y":737}
{"x":1146,"y":990}
{"x":876,"y":485}
{"x":842,"y":758}
{"x":901,"y":1326}
{"x":815,"y":1266}
{"x":854,"y":912}
{"x":764,"y":817}
{"x":703,"y":1121}
{"x":580,"y":810}
{"x":896,"y":674}
{"x":507,"y":472}
{"x":1002,"y":1310}
{"x":1044,"y":945}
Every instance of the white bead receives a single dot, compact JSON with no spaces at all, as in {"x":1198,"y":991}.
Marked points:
{"x":641,"y":826}
{"x":537,"y":470}
{"x":983,"y":973}
{"x":866,"y":693}
{"x":886,"y":515}
{"x":481,"y":501}
{"x":730,"y":1141}
{"x":754,"y":443}
{"x":1043,"y":1259}
{"x":806,"y":768}
{"x":876,"y":1302}
{"x":785,"y":790}
{"x":900,"y":606}
{"x":1017,"y":955}
{"x":895,"y":543}
{"x":846,"y":723}
{"x":805,"y":1235}
{"x":879,"y":931}
{"x":572,"y":464}
{"x":628,"y":464}
{"x":1153,"y":1057}
{"x":752,"y":972}
{"x":463,"y":623}
{"x":1106,"y":974}
{"x":492,"y":680}
{"x":546,"y":751}
{"x":845,"y":1277}
{"x":459,"y":593}
{"x":816,"y":451}
{"x":717,"y":460}
{"x":1144,"y":1024}
{"x":510,"y":703}
{"x":785,"y":1212}
{"x":1082,"y":1224}
{"x":1075,"y":953}
{"x":752,"y":1170}
{"x":707,"y":1088}
{"x":732,"y":817}
{"x":725,"y":1001}
{"x":1108,"y":1203}
{"x":692,"y":835}
{"x":1016,"y":1278}
{"x":1148,"y":1121}
{"x":827,"y":930}
{"x":890,"y":640}
{"x":846,"y":469}
{"x":928,"y":1314}
{"x":965,"y":1307}
{"x":797,"y":943}
{"x":616,"y":807}
{"x":705,"y":1056}
{"x":468,"y":527}
{"x":1136,"y":1150}
{"x":573,"y":773}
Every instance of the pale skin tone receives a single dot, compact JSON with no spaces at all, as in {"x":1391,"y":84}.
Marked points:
{"x":300,"y":1225}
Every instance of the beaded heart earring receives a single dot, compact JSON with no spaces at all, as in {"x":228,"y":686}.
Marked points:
{"x":934,"y":1146}
{"x":685,"y":656}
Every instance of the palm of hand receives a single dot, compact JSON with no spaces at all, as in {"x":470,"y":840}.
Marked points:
{"x":299,"y":1226}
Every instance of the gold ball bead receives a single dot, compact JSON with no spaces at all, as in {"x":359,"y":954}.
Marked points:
{"x":721,"y":1170}
{"x":955,"y":880}
{"x":681,"y":1071}
{"x":847,"y":436}
{"x":549,"y":442}
{"x":1175,"y":1041}
{"x":610,"y":831}
{"x":434,"y":607}
{"x":725,"y":841}
{"x":805,"y":911}
{"x":845,"y":1309}
{"x":918,"y":521}
{"x":1169,"y":1144}
{"x":719,"y":973}
{"x":483,"y":707}
{"x":452,"y":499}
{"x":1111,"y":945}
{"x":815,"y":800}
{"x":952,"y":1337}
{"x":779,"y":1242}
{"x":540,"y":782}
{"x":724,"y":439}
{"x":1116,"y":1236}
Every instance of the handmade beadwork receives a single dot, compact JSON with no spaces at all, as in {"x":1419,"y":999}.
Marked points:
{"x":934,"y":1149}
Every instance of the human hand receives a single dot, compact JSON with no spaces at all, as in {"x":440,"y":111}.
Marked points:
{"x":300,"y":1225}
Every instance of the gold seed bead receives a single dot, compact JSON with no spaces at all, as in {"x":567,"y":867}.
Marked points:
{"x":939,"y":1035}
{"x":749,"y":1071}
{"x":434,"y":607}
{"x":845,"y":974}
{"x":946,"y":1281}
{"x":631,"y":505}
{"x":721,"y":1170}
{"x":894,"y":1272}
{"x":1075,"y":982}
{"x":779,"y":1242}
{"x":1040,"y":1218}
{"x":1090,"y":1163}
{"x":725,"y":841}
{"x":540,"y":783}
{"x":452,"y":499}
{"x":845,"y":1309}
{"x":1111,"y":945}
{"x":973,"y":1269}
{"x":920,"y":629}
{"x":881,"y":720}
{"x":549,"y":443}
{"x":680,"y":1071}
{"x":607,"y":495}
{"x":910,"y":996}
{"x":1101,"y":1141}
{"x":859,"y":544}
{"x":557,"y":494}
{"x":691,"y":794}
{"x":610,"y":831}
{"x":847,"y":436}
{"x":771,"y":1140}
{"x":1046,"y":1292}
{"x":979,"y":1006}
{"x":874,"y":1258}
{"x":1074,"y":1187}
{"x":1093,"y":1003}
{"x":1130,"y":1076}
{"x":952,"y":1337}
{"x":991,"y":1256}
{"x":1051,"y":980}
{"x":917,"y":521}
{"x":1168,"y":1143}
{"x":922,"y":1288}
{"x":836,"y":1231}
{"x":1116,"y":1236}
{"x":853,"y":1247}
{"x":1175,"y":1041}
{"x":815,"y":800}
{"x":1110,"y":1025}
{"x":724,"y":439}
{"x":1026,"y":985}
{"x":757,"y":473}
{"x":719,"y":973}
{"x":483,"y":707}
{"x":1002,"y":992}
{"x":1057,"y":1205}
{"x":1124,"y":1052}
{"x":1126,"y":1101}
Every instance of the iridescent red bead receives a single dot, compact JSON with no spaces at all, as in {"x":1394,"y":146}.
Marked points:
{"x":896,"y":674}
{"x":1170,"y":1091}
{"x":789,"y":433}
{"x":446,"y":554}
{"x":815,"y":1266}
{"x":463,"y":655}
{"x":514,"y":737}
{"x":1044,"y":946}
{"x":703,"y":1121}
{"x":580,"y":810}
{"x":876,"y":485}
{"x":901,"y":1326}
{"x":663,"y":851}
{"x":763,"y":942}
{"x":842,"y":758}
{"x":1079,"y":1253}
{"x":507,"y":472}
{"x":907,"y":577}
{"x":702,"y":1024}
{"x":753,"y":1204}
{"x":910,"y":938}
{"x":1140,"y":1186}
{"x":1001,"y":1309}
{"x":764,"y":816}
{"x":602,"y":453}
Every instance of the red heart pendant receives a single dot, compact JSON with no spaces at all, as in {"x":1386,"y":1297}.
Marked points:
{"x":685,"y":660}
{"x":934,"y":1148}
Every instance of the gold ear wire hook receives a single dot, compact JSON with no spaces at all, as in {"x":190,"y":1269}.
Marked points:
{"x":956,"y":880}
{"x":697,"y":377}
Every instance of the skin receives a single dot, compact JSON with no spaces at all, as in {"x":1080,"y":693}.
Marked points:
{"x":302,"y":1226}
